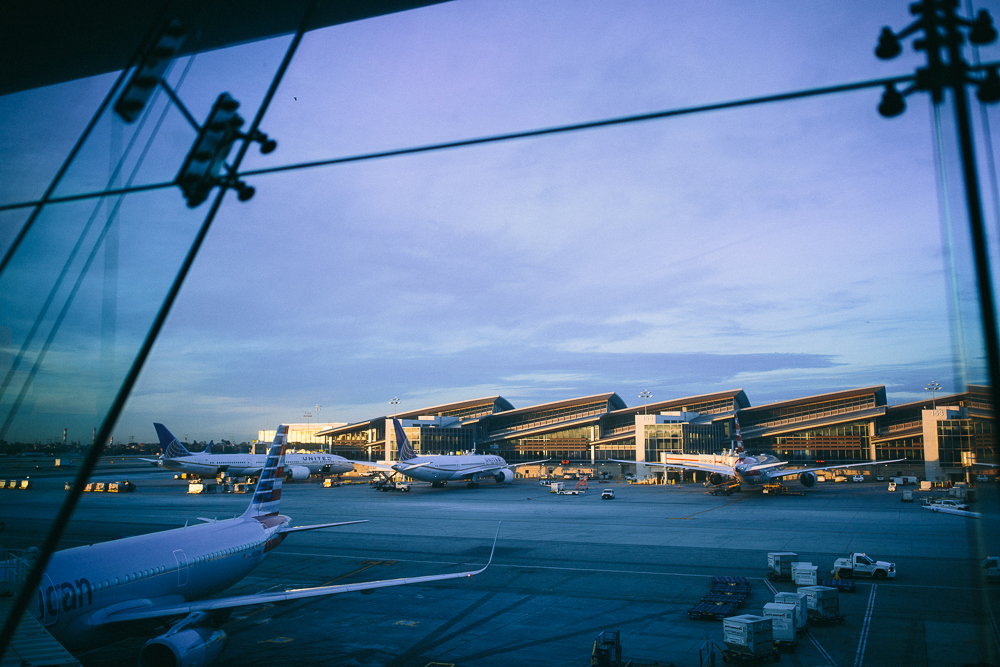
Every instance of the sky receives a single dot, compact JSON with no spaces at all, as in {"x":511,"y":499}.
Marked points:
{"x":787,"y":249}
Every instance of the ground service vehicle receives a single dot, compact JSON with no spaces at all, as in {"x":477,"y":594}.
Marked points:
{"x":991,"y":568}
{"x":949,"y":504}
{"x":608,"y":494}
{"x":858,"y":564}
{"x":858,"y":478}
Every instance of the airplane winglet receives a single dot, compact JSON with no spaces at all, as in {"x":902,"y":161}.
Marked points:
{"x":495,"y":537}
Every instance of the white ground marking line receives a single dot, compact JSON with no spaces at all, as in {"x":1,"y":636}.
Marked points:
{"x":821,"y":650}
{"x":993,"y":623}
{"x":860,"y":656}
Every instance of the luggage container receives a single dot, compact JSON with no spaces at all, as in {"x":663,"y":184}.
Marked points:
{"x":804,"y":574}
{"x":783,"y":629}
{"x":748,"y":635}
{"x":801,"y":616}
{"x":25,"y":484}
{"x":243,"y":487}
{"x":779,"y":565}
{"x":201,"y":487}
{"x":823,"y":604}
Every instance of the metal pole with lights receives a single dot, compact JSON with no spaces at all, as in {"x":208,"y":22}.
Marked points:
{"x":943,"y":36}
{"x":933,"y":387}
{"x":644,"y":395}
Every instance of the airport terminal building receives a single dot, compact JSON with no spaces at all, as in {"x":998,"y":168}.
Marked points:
{"x":940,"y":440}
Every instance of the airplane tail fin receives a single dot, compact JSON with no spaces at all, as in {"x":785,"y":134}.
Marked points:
{"x":172,"y":449}
{"x":402,"y":442}
{"x":267,"y":495}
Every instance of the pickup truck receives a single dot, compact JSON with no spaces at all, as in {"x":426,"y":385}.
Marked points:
{"x":608,"y":494}
{"x":858,"y":564}
{"x":948,"y":503}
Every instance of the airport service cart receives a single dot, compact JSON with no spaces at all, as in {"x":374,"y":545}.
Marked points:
{"x":779,"y":565}
{"x":823,"y":605}
{"x":749,"y":640}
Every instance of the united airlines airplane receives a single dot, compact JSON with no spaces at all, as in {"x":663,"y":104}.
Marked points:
{"x":176,"y":457}
{"x":98,"y":594}
{"x":442,"y":468}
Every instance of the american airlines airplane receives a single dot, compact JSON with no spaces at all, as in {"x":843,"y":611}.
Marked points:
{"x":442,"y":468}
{"x":749,"y":470}
{"x":176,"y":457}
{"x":101,"y":593}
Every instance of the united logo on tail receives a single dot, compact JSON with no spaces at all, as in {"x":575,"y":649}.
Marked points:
{"x":403,"y":443}
{"x":172,"y":449}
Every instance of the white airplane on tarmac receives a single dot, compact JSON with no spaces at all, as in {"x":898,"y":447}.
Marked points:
{"x":176,"y":457}
{"x":443,"y":468}
{"x":749,"y":470}
{"x":98,"y":594}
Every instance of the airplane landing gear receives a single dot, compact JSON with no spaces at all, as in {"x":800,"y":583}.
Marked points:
{"x":437,"y":485}
{"x":473,"y":485}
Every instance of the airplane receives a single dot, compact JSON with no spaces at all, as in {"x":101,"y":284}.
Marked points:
{"x":94,"y":595}
{"x":749,"y":470}
{"x":443,"y":468}
{"x":176,"y":457}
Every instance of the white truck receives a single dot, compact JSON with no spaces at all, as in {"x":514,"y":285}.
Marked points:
{"x":560,"y":488}
{"x":858,"y":564}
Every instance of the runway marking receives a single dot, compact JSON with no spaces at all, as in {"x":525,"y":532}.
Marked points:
{"x":409,"y":624}
{"x":767,"y":583}
{"x":993,"y":622}
{"x":822,"y":651}
{"x":688,"y":517}
{"x":277,"y":640}
{"x":860,"y":656}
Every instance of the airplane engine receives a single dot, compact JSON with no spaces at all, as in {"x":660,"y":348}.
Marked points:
{"x":297,"y":473}
{"x":807,"y":479}
{"x":190,"y":647}
{"x":716,"y":479}
{"x":505,"y":476}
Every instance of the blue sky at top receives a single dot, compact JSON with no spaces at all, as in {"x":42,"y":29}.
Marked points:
{"x":787,"y":249}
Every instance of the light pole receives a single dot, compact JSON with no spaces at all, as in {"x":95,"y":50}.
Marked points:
{"x":395,"y":402}
{"x":318,"y":408}
{"x":933,"y":387}
{"x":644,"y":395}
{"x":943,"y":36}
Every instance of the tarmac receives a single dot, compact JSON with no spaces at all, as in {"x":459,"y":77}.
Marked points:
{"x":565,"y":568}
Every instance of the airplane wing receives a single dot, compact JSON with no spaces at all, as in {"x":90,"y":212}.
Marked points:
{"x":158,"y":460}
{"x":373,"y":464}
{"x":297,"y":529}
{"x":720,"y":468}
{"x":949,"y":510}
{"x":529,"y":463}
{"x":786,"y":473}
{"x":152,"y":611}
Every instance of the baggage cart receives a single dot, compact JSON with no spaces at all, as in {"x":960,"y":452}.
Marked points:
{"x":779,"y":565}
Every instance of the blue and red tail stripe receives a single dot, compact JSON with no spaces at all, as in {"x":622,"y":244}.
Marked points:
{"x":267,"y":495}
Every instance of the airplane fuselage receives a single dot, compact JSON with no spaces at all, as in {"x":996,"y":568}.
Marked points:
{"x":467,"y":467}
{"x":240,"y":465}
{"x":83,"y":584}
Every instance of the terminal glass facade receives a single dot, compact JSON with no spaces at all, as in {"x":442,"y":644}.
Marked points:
{"x":833,"y":444}
{"x":956,"y":436}
{"x":684,"y":438}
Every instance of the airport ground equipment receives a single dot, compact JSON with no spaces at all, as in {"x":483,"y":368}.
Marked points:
{"x":906,"y":496}
{"x":991,"y":568}
{"x":202,"y":487}
{"x":330,"y":482}
{"x":779,"y":489}
{"x":799,"y":601}
{"x":779,"y":565}
{"x":109,"y":487}
{"x":822,"y":605}
{"x":608,"y":650}
{"x":783,"y":630}
{"x":804,"y":574}
{"x":842,"y":585}
{"x":608,"y":494}
{"x":858,"y":564}
{"x":725,"y":489}
{"x":16,"y":484}
{"x":748,"y":639}
{"x":724,"y":599}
